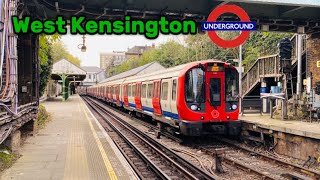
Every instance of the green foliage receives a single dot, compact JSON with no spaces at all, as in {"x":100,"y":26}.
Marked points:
{"x":200,"y":47}
{"x":51,"y":50}
{"x":45,"y":59}
{"x":42,"y":117}
{"x":59,"y":51}
{"x":261,"y":44}
{"x":6,"y":159}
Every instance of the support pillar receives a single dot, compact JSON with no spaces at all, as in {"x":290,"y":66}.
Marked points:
{"x":14,"y":141}
{"x":64,"y":92}
{"x":299,"y":59}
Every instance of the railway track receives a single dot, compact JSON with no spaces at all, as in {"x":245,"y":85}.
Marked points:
{"x":235,"y":155}
{"x":149,"y":158}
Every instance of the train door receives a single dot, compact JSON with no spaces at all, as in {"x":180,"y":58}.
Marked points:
{"x":125,"y":95}
{"x":165,"y":100}
{"x":215,"y":94}
{"x":137,"y":98}
{"x":149,"y":105}
{"x":111,"y":94}
{"x":144,"y":95}
{"x":173,"y":104}
{"x":114,"y":94}
{"x":156,"y":97}
{"x":121,"y":94}
{"x":131,"y":96}
{"x":118,"y":94}
{"x":106,"y":91}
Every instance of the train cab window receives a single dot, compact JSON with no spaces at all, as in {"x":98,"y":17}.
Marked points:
{"x":194,"y":89}
{"x":150,"y":89}
{"x":231,"y":89}
{"x":195,"y":86}
{"x":144,"y":91}
{"x":174,"y":89}
{"x":134,"y":90}
{"x":164,"y":91}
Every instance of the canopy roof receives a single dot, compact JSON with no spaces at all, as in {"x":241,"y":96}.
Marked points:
{"x":65,"y":67}
{"x":280,"y":15}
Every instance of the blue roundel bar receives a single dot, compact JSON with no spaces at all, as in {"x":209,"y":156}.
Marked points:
{"x":228,"y":26}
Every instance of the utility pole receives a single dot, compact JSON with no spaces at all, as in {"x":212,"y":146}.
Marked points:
{"x":299,"y":59}
{"x":240,"y":78}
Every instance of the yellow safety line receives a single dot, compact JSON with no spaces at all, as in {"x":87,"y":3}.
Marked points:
{"x":105,"y":158}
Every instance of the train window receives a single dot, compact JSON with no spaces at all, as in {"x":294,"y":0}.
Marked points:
{"x":174,"y":89}
{"x":155,"y":89}
{"x":215,"y":96}
{"x":231,"y":89}
{"x":134,"y":90}
{"x":164,"y":91}
{"x":195,"y":86}
{"x":144,"y":91}
{"x":150,"y":87}
{"x":130,"y":91}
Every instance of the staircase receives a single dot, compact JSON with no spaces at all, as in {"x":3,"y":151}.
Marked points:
{"x":267,"y":67}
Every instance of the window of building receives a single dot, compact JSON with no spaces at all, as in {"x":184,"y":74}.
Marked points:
{"x":164,"y":91}
{"x":89,"y":76}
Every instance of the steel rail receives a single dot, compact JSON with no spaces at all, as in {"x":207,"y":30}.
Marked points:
{"x":230,"y":161}
{"x":269,"y":158}
{"x":166,"y":153}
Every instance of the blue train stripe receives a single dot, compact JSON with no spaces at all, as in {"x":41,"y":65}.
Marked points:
{"x":144,"y":108}
{"x":171,"y":115}
{"x":132,"y":105}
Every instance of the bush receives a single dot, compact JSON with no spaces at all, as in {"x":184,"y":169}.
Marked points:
{"x":42,"y":117}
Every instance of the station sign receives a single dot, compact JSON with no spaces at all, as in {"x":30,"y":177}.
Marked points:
{"x":245,"y":26}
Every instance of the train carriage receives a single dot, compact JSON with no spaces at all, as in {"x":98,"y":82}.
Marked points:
{"x":196,"y":98}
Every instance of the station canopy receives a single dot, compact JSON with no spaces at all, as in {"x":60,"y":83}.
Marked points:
{"x":66,"y":68}
{"x":271,"y":15}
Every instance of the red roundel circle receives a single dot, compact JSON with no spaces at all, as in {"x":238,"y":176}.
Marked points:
{"x":215,"y":114}
{"x":228,"y":9}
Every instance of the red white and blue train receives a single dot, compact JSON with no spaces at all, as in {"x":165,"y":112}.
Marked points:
{"x":196,"y":98}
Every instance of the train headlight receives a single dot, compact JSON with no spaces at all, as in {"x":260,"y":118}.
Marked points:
{"x":194,"y":107}
{"x":234,"y":106}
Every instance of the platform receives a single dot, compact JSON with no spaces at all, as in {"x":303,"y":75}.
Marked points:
{"x":72,"y":146}
{"x":295,"y":127}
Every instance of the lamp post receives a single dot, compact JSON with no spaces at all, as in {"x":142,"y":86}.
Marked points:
{"x":82,"y":46}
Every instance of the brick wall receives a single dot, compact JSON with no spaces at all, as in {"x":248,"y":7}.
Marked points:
{"x":313,"y":55}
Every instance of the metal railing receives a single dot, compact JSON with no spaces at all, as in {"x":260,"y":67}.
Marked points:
{"x":267,"y":66}
{"x":251,"y":104}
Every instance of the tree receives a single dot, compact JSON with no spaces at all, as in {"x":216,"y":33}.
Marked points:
{"x":59,"y":51}
{"x":200,"y":47}
{"x":45,"y":59}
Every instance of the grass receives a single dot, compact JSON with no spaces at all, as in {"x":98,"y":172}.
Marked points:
{"x":42,"y":117}
{"x":7,"y":158}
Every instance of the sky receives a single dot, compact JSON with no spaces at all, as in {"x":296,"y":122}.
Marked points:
{"x":97,"y":44}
